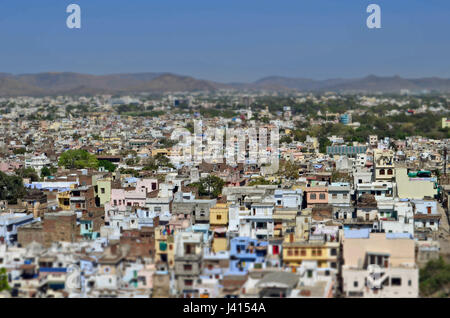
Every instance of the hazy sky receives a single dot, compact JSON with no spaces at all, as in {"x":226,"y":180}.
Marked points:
{"x":228,"y":40}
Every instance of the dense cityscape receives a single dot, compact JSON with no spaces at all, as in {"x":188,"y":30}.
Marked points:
{"x":93,"y":204}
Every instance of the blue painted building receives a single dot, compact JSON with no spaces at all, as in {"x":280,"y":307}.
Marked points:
{"x":245,"y":254}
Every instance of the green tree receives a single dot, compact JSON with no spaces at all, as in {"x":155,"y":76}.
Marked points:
{"x":159,"y":161}
{"x":210,"y":186}
{"x":324,"y":142}
{"x":434,"y":278}
{"x":337,"y":176}
{"x":77,"y":159}
{"x":190,"y":127}
{"x":259,"y":181}
{"x":11,"y":188}
{"x":4,"y":280}
{"x":289,"y":170}
{"x":45,"y":172}
{"x":19,"y":151}
{"x":28,"y":173}
{"x":133,"y":172}
{"x":108,"y":165}
{"x":285,"y":139}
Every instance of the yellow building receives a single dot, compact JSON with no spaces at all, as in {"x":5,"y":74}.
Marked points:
{"x":163,"y":151}
{"x":110,"y":139}
{"x":445,"y":122}
{"x":218,"y":220}
{"x":55,"y":126}
{"x":64,"y":200}
{"x":102,"y":189}
{"x":324,"y":253}
{"x":218,"y":215}
{"x":164,"y":246}
{"x":284,"y":221}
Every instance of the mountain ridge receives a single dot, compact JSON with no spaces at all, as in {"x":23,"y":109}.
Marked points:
{"x":72,"y":83}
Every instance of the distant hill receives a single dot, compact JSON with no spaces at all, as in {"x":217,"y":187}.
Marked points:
{"x":369,"y":84}
{"x":176,"y":83}
{"x":59,"y":83}
{"x":85,"y":84}
{"x":11,"y":86}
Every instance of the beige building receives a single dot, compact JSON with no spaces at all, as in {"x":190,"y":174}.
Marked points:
{"x":379,"y":265}
{"x":384,"y":168}
{"x":414,"y":188}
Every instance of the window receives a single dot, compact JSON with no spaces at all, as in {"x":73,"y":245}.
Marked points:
{"x":333,"y":252}
{"x":219,"y":217}
{"x":322,"y":196}
{"x":303,"y":252}
{"x":409,"y":282}
{"x":396,"y":281}
{"x":312,"y":196}
{"x":296,"y":252}
{"x":382,"y":172}
{"x":334,"y":195}
{"x":261,"y":225}
{"x":188,"y":282}
{"x":102,"y":190}
{"x":390,"y":172}
{"x":355,"y":283}
{"x":289,"y":252}
{"x":187,"y":267}
{"x":309,"y":273}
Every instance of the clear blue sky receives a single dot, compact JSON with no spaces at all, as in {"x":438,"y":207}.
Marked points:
{"x":228,"y":40}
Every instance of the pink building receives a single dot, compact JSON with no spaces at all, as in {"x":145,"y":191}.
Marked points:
{"x":10,"y":166}
{"x":316,"y":195}
{"x":148,"y":185}
{"x":122,"y":197}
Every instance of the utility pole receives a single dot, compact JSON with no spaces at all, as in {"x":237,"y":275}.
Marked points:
{"x":445,"y":161}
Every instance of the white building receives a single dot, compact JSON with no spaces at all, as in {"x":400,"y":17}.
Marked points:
{"x":37,"y":162}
